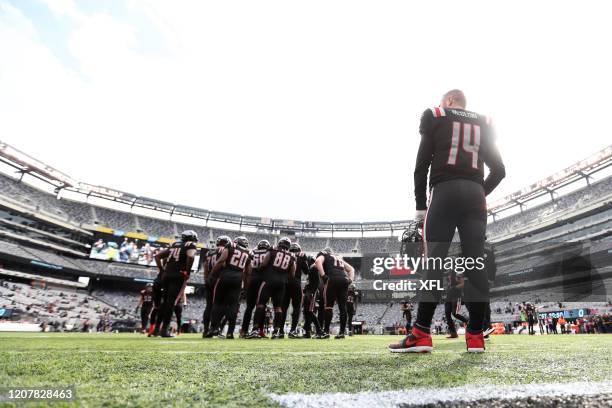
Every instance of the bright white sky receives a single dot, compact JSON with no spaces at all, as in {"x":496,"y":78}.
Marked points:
{"x":300,"y":110}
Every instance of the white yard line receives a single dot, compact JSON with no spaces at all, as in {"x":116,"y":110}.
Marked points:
{"x":419,"y":396}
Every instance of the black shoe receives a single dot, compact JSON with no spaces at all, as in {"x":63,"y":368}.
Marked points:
{"x":351,"y":333}
{"x":339,"y":336}
{"x":211,"y":334}
{"x":167,"y":335}
{"x":230,"y":336}
{"x":279,"y":335}
{"x":253,"y":335}
{"x":293,"y":335}
{"x":322,"y":336}
{"x":307,"y":336}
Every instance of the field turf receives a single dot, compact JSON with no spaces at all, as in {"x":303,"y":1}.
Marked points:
{"x":118,"y":370}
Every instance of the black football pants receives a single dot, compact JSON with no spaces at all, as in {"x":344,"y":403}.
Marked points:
{"x":309,"y":301}
{"x":350,"y":311}
{"x":226,"y":294}
{"x":293,"y":295}
{"x":251,"y":301}
{"x":450,"y":311}
{"x":145,"y":312}
{"x":156,"y":316}
{"x":456,"y":204}
{"x":335,"y":291}
{"x":270,"y":289}
{"x":172,"y":287}
{"x":208,"y":296}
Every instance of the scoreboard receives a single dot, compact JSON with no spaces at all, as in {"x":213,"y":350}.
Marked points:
{"x":567,"y":314}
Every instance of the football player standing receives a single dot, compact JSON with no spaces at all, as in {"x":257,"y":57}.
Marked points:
{"x":253,"y":284}
{"x":337,"y":275}
{"x":455,"y":146}
{"x":175,"y":265}
{"x":279,"y":265}
{"x":210,"y":279}
{"x":233,"y":268}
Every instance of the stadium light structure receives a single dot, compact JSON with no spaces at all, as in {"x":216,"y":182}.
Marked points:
{"x":13,"y":157}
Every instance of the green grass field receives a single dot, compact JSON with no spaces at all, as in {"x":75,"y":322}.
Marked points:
{"x":133,"y":370}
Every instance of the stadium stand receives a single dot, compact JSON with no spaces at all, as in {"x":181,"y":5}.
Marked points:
{"x":26,"y":240}
{"x":115,"y":219}
{"x":70,"y":308}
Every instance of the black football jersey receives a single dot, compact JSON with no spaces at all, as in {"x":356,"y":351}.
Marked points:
{"x":280,"y":264}
{"x":302,"y":263}
{"x":333,"y":265}
{"x":351,"y":297}
{"x":312,"y":280}
{"x":177,"y":260}
{"x":237,"y":260}
{"x":455,"y":143}
{"x":211,"y":260}
{"x":258,"y":257}
{"x":147,"y":297}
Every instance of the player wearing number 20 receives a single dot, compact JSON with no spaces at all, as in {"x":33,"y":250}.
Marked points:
{"x":232,"y":269}
{"x":278,"y":266}
{"x":455,"y":144}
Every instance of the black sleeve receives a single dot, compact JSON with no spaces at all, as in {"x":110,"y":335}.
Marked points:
{"x":493,"y":160}
{"x":313,"y":277}
{"x":423,"y":160}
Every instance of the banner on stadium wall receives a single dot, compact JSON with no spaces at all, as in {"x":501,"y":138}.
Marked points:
{"x":105,"y":230}
{"x":137,"y":235}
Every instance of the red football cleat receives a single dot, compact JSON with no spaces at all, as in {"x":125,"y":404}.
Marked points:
{"x":474,"y":342}
{"x":416,"y":342}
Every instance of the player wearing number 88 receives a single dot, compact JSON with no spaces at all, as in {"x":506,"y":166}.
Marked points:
{"x":232,"y":269}
{"x":278,"y":266}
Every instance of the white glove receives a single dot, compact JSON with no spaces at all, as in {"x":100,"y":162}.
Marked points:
{"x":419,"y":215}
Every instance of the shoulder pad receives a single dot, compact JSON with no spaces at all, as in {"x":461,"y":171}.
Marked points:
{"x":437,"y":112}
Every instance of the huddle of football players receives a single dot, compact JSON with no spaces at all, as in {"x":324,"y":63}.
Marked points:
{"x":274,"y":274}
{"x":233,"y":272}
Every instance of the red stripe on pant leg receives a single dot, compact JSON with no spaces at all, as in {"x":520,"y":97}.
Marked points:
{"x":180,"y":294}
{"x":259,"y":292}
{"x":215,"y":290}
{"x":301,"y":298}
{"x":425,"y":225}
{"x":325,"y":294}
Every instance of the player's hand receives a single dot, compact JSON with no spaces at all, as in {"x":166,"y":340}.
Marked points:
{"x":419,"y":215}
